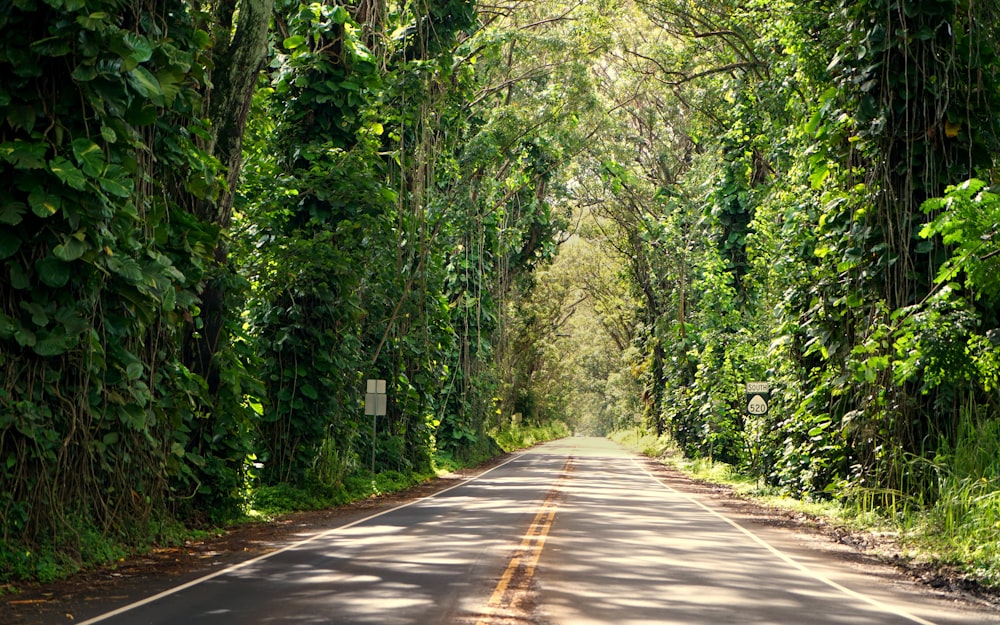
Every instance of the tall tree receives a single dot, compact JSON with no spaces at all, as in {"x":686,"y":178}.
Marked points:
{"x":121,"y":150}
{"x":239,"y":31}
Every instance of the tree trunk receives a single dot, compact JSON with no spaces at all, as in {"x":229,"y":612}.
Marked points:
{"x":238,"y":62}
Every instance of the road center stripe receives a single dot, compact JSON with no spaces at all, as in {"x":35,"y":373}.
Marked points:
{"x":525,"y":559}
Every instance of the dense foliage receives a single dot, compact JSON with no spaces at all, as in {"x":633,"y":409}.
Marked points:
{"x":202,"y":262}
{"x":801,"y":193}
{"x":104,"y":165}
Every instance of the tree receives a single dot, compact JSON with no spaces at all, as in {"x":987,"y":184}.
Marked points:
{"x":105,"y":162}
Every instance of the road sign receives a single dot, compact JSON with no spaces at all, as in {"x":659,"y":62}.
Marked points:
{"x":758,"y":394}
{"x":375,"y":398}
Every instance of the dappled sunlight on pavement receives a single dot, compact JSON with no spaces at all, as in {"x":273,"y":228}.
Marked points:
{"x":574,"y":532}
{"x":625,"y":549}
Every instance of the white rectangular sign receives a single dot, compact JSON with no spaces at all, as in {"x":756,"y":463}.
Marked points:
{"x":375,"y":397}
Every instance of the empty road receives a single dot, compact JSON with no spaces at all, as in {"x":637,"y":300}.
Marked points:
{"x":569,"y":533}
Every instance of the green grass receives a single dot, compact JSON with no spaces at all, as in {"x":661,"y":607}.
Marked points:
{"x":80,"y":546}
{"x":962,"y":525}
{"x":742,"y":485}
{"x":445,"y":462}
{"x":270,"y":501}
{"x":515,"y":437}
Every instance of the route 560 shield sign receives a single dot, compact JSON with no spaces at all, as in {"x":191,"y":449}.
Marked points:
{"x":758,"y":396}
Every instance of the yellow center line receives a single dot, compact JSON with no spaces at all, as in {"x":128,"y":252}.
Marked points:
{"x":530,"y":551}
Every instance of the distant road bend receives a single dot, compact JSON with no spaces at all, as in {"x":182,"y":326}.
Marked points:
{"x":573,"y":532}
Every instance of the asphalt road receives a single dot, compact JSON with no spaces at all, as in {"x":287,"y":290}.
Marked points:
{"x":569,"y":533}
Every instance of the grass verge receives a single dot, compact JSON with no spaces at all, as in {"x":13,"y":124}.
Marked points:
{"x":524,"y":436}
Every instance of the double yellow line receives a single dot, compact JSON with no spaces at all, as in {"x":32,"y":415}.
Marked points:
{"x":525,"y":559}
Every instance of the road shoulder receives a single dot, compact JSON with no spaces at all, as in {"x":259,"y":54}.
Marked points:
{"x":873,"y":555}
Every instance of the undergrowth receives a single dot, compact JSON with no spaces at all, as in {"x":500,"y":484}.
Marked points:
{"x":282,"y":498}
{"x":962,"y":525}
{"x":272,"y":500}
{"x":519,"y":436}
{"x":79,"y":546}
{"x":83,"y":547}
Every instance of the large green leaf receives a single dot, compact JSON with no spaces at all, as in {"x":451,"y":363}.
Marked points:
{"x":52,"y":271}
{"x":9,"y":243}
{"x":84,"y":72}
{"x":202,"y":39}
{"x":169,"y":298}
{"x":310,"y":391}
{"x":38,"y":312}
{"x":72,"y":321}
{"x":166,"y":266}
{"x":116,"y":188}
{"x":20,"y":279}
{"x":341,"y":15}
{"x":7,"y":327}
{"x":43,"y":203}
{"x":53,"y":343}
{"x":142,"y":49}
{"x":133,"y":415}
{"x":90,"y":157}
{"x":94,"y":21}
{"x":65,"y":171}
{"x":125,"y":267}
{"x":171,"y":80}
{"x":24,"y":337}
{"x":118,"y":182}
{"x":22,"y":116}
{"x":11,"y":211}
{"x":51,"y":46}
{"x":134,"y":370}
{"x":72,"y":248}
{"x":24,"y":154}
{"x":146,"y":84}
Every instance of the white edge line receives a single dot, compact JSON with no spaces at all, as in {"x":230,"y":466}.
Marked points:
{"x":270,"y":554}
{"x":788,"y":559}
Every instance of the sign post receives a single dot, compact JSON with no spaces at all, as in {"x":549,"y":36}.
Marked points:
{"x":758,"y":396}
{"x":375,"y":403}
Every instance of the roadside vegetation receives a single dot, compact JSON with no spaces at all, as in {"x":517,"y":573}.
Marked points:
{"x":264,"y":503}
{"x":219,"y":220}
